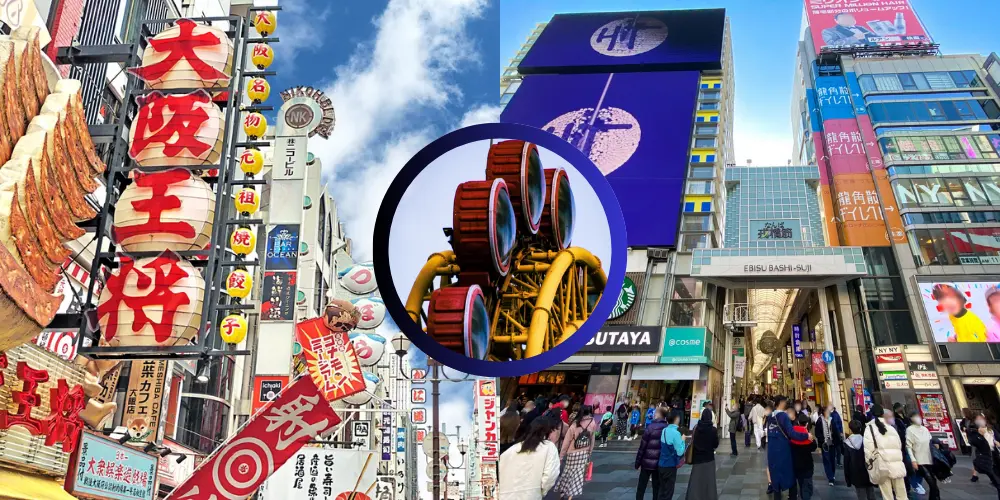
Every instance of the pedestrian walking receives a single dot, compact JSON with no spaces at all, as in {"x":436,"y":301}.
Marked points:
{"x":780,"y":432}
{"x":824,"y":438}
{"x":621,"y":423}
{"x":884,"y":451}
{"x":982,"y":440}
{"x":918,"y":445}
{"x":672,"y":448}
{"x":855,"y":467}
{"x":901,"y":421}
{"x":734,"y":427}
{"x":578,"y":445}
{"x":802,"y":459}
{"x":606,"y":423}
{"x":528,"y":470}
{"x":757,"y":420}
{"x":702,"y":484}
{"x":647,"y":458}
{"x":633,"y":421}
{"x":747,"y":409}
{"x":837,"y":425}
{"x":509,"y":422}
{"x":540,"y":405}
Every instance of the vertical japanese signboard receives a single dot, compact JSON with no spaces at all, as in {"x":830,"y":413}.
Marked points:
{"x":105,"y":469}
{"x":324,"y":475}
{"x":143,"y":399}
{"x":238,"y":467}
{"x":486,"y":419}
{"x":797,"y":341}
{"x":330,"y":359}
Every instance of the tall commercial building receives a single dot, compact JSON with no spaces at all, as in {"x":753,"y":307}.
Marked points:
{"x":906,"y":141}
{"x":648,"y":96}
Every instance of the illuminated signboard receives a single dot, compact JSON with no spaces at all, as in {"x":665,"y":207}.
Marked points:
{"x":638,"y":136}
{"x":839,"y":24}
{"x":628,"y":41}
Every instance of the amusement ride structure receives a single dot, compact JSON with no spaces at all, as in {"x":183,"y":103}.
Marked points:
{"x":512,"y":287}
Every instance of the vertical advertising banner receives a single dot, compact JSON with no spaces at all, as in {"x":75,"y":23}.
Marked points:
{"x":324,"y":475}
{"x":488,"y":433}
{"x":282,"y":248}
{"x":797,"y":341}
{"x":142,"y":400}
{"x":277,"y":301}
{"x":331,"y":360}
{"x":837,"y":24}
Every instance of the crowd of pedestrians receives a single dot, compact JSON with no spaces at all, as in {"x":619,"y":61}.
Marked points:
{"x":547,"y":445}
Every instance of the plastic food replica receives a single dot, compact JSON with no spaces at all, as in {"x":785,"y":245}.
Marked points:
{"x":512,"y":287}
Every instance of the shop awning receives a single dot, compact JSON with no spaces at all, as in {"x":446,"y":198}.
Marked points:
{"x":22,"y":486}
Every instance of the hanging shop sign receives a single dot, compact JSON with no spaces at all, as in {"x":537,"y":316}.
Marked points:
{"x":362,"y":431}
{"x":400,"y":440}
{"x":143,"y":400}
{"x":797,"y":341}
{"x":818,"y":366}
{"x":309,"y":109}
{"x":266,"y":389}
{"x":62,"y":344}
{"x":187,"y":55}
{"x":487,"y":425}
{"x":739,"y":366}
{"x":418,"y":396}
{"x":685,"y":345}
{"x":323,"y":474}
{"x":331,"y":360}
{"x":372,"y":311}
{"x":636,"y":339}
{"x":278,"y":296}
{"x":369,"y":347}
{"x":626,"y":298}
{"x":270,"y":438}
{"x":152,"y":301}
{"x":282,"y":248}
{"x":895,"y":384}
{"x":359,"y":279}
{"x":926,"y":385}
{"x":102,"y":468}
{"x":418,"y":415}
{"x":172,"y":473}
{"x":168,"y":210}
{"x":387,"y":435}
{"x":41,"y":399}
{"x":418,"y":375}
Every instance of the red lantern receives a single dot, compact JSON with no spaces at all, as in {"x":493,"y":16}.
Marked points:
{"x":168,"y":210}
{"x":176,"y":130}
{"x":187,"y":55}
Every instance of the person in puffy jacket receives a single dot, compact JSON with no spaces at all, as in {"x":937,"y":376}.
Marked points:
{"x":672,"y":448}
{"x":882,"y":441}
{"x":855,"y":469}
{"x":982,"y":440}
{"x":647,"y":459}
{"x":802,"y":458}
{"x":780,"y":432}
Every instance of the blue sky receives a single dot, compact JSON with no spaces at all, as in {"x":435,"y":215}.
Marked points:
{"x":765,"y":36}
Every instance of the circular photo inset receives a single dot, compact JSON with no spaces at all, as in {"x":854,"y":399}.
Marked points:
{"x":499,"y":242}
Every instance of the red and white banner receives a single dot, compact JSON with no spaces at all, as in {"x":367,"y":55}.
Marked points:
{"x":488,"y":433}
{"x":268,"y":440}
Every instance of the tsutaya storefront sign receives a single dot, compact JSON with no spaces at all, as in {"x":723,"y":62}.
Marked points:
{"x":626,"y":339}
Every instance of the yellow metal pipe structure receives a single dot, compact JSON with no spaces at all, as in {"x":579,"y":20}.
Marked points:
{"x":569,"y":330}
{"x":547,"y":293}
{"x":424,"y":281}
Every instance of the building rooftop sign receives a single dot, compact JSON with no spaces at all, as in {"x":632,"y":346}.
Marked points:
{"x":309,"y":108}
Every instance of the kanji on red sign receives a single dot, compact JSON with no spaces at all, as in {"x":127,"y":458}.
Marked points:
{"x":181,"y":47}
{"x":155,"y":205}
{"x":26,"y":399}
{"x":63,"y":423}
{"x":176,"y":134}
{"x":154,"y":292}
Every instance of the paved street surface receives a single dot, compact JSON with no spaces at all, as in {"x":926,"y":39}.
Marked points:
{"x":743,"y":477}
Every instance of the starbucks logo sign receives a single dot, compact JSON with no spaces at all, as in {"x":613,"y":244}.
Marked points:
{"x":625,"y":299}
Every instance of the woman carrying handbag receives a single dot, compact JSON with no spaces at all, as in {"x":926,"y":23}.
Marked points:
{"x":884,"y":455}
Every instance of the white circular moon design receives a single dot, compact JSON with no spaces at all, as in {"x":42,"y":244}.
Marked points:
{"x":629,"y":36}
{"x":262,"y":460}
{"x":609,"y":142}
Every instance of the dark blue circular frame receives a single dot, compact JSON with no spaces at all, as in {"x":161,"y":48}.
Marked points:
{"x":383,"y":273}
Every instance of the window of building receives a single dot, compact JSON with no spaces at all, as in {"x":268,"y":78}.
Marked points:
{"x":933,"y":247}
{"x":710,"y":95}
{"x":706,"y":129}
{"x":684,"y":313}
{"x":708,"y":106}
{"x":686,"y":287}
{"x":696,"y":222}
{"x":704,"y":142}
{"x":702,"y":173}
{"x":907,"y":81}
{"x":691,"y":242}
{"x":505,"y":98}
{"x":700,"y":187}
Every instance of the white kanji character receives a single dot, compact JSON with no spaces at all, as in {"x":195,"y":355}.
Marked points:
{"x":821,"y":91}
{"x":858,"y":197}
{"x":288,"y":421}
{"x":872,"y":197}
{"x":831,"y":137}
{"x":845,"y":137}
{"x":843,"y":198}
{"x":855,"y":136}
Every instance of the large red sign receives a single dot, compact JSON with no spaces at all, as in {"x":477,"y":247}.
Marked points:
{"x":265,"y":443}
{"x":838,"y":24}
{"x":333,"y":364}
{"x":889,"y":358}
{"x":62,"y":425}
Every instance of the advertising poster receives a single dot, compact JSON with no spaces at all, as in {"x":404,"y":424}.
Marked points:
{"x":739,"y":366}
{"x":330,"y":359}
{"x":142,"y":400}
{"x":324,"y":475}
{"x":606,"y":41}
{"x":105,"y":469}
{"x":265,"y":390}
{"x":282,"y":248}
{"x":277,"y":302}
{"x":269,"y":439}
{"x":63,"y":344}
{"x":639,"y":142}
{"x":963,"y":311}
{"x":818,"y":366}
{"x":487,"y":420}
{"x":872,"y":23}
{"x":935,"y":415}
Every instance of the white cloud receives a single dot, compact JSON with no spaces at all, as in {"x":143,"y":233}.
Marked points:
{"x":409,"y":68}
{"x":485,"y":113}
{"x":765,"y":149}
{"x":300,"y":28}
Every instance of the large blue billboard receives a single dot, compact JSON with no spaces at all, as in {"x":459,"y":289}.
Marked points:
{"x":635,"y":126}
{"x":628,"y":41}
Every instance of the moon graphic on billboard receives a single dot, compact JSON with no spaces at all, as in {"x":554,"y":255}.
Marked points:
{"x":629,"y":36}
{"x":608,"y":139}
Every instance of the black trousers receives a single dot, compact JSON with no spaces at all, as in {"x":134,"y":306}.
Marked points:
{"x":668,"y":479}
{"x":732,"y":442}
{"x":934,"y":492}
{"x":644,"y":477}
{"x":993,"y":478}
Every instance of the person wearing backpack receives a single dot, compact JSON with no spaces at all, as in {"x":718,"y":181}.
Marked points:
{"x":671,"y":450}
{"x":578,"y":444}
{"x":648,"y":457}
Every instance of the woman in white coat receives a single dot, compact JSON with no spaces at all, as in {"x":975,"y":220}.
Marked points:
{"x":529,"y":469}
{"x":884,"y":449}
